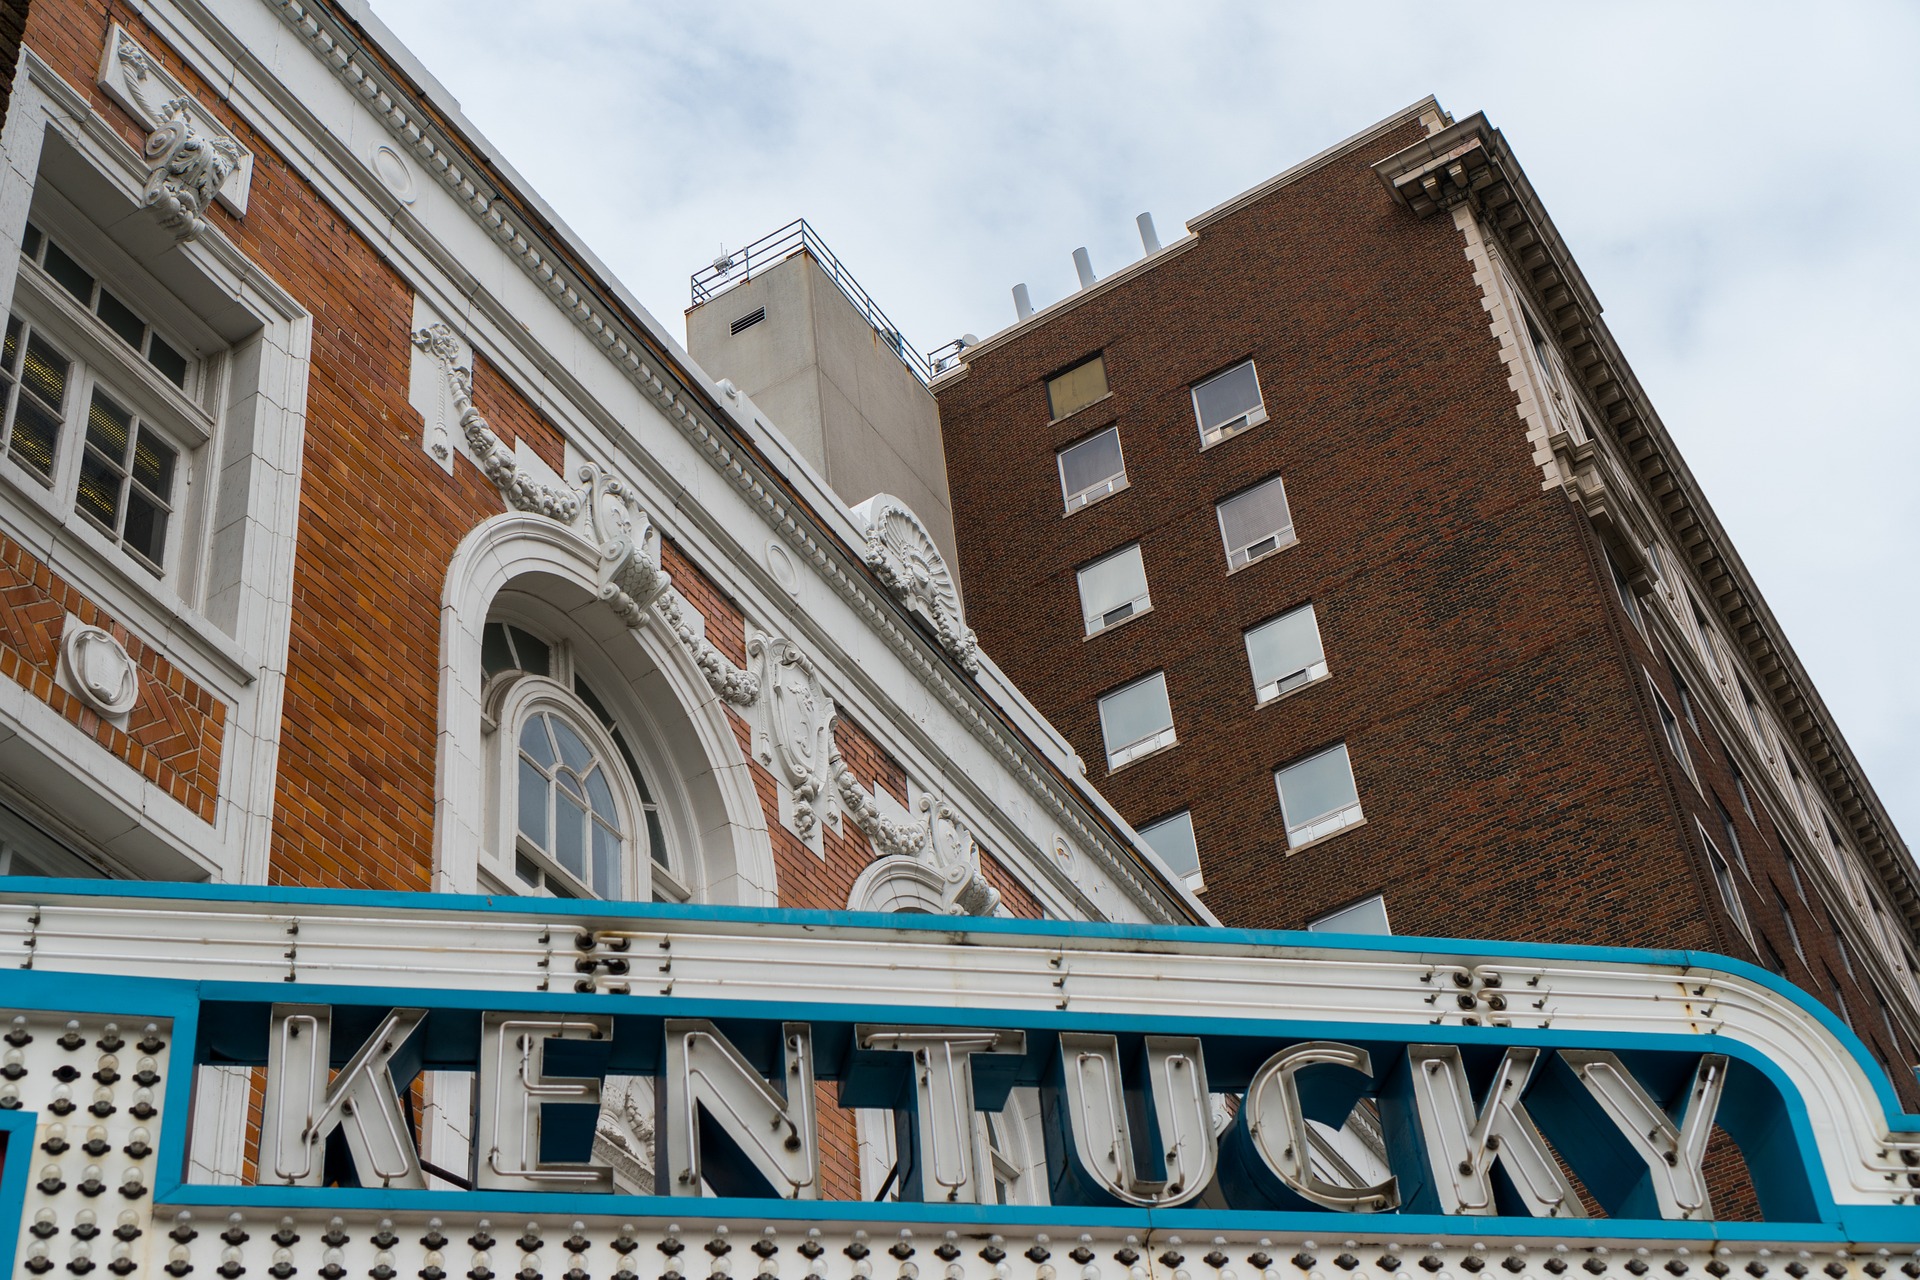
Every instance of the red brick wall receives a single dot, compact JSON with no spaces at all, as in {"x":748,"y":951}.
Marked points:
{"x":175,"y":731}
{"x":513,"y":418}
{"x":726,"y":625}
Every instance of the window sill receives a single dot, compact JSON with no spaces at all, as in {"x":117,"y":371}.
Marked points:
{"x":1120,"y":488}
{"x":1128,"y":763}
{"x":1360,"y":821}
{"x":1322,"y":678}
{"x":1082,"y":409}
{"x":1114,"y":626}
{"x":1264,"y":556}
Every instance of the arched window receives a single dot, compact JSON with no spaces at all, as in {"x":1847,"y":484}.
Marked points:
{"x":574,"y":807}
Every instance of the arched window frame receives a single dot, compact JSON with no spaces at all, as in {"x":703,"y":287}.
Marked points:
{"x":511,"y":697}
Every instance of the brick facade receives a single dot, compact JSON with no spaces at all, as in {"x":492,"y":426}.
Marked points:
{"x":174,"y":733}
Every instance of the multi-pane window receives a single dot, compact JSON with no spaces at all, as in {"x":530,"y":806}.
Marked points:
{"x":1671,"y":727}
{"x":1255,"y":522}
{"x":1840,"y":944}
{"x":1113,"y":589}
{"x":1723,"y":877}
{"x":1685,"y":694}
{"x":35,"y":376}
{"x":1136,"y":720}
{"x":1077,"y":388}
{"x":1317,"y":795}
{"x":1228,"y":402}
{"x":1369,"y":915}
{"x":123,"y":320}
{"x":1793,"y":934}
{"x":1284,"y":653}
{"x":1172,"y":838}
{"x":1092,"y":469}
{"x":126,"y":479}
{"x":566,"y":810}
{"x":1621,"y":585}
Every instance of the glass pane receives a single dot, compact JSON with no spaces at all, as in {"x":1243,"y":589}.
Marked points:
{"x":36,"y":430}
{"x":1172,"y":838}
{"x":1362,"y":917}
{"x":1280,"y":648}
{"x":108,"y":428}
{"x":1077,"y":388}
{"x":533,"y":741}
{"x":534,"y":656}
{"x":1135,"y":712}
{"x":1230,"y":395}
{"x":153,"y":460}
{"x":577,"y":754}
{"x":570,"y":834}
{"x":1114,"y":581}
{"x":72,"y":276}
{"x":45,"y":372}
{"x":1317,"y":786}
{"x":99,"y":494}
{"x":533,"y":803}
{"x":527,"y":869}
{"x":495,"y":655}
{"x":1092,"y":462}
{"x":146,"y":531}
{"x":657,"y":840}
{"x":606,"y":862}
{"x":1259,"y":513}
{"x":13,"y":343}
{"x":592,"y":699}
{"x":171,"y":364}
{"x":600,"y":796}
{"x":30,"y":244}
{"x":121,"y":319}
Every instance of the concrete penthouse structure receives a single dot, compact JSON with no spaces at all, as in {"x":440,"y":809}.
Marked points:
{"x":1340,"y":540}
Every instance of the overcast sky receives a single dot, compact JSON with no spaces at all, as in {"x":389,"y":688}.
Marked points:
{"x":1739,"y":182}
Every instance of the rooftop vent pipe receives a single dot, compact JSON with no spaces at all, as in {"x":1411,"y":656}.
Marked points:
{"x":1084,"y":265}
{"x":1149,"y":238}
{"x":1022,"y":303}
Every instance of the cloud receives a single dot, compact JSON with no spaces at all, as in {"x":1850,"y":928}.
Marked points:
{"x":1737,"y":181}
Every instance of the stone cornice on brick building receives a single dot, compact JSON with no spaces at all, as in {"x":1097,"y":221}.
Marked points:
{"x":1470,"y":163}
{"x":422,"y":119}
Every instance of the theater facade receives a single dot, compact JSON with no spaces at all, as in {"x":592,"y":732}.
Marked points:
{"x":475,"y":802}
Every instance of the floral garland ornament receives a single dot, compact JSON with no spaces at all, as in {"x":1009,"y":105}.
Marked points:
{"x":902,"y":555}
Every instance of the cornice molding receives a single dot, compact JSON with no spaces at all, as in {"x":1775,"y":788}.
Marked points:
{"x":1469,"y":164}
{"x":625,"y":342}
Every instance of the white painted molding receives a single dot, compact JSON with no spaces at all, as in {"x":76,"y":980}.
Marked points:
{"x":98,"y":670}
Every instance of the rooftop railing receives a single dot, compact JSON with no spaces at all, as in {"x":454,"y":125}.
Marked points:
{"x":734,"y":269}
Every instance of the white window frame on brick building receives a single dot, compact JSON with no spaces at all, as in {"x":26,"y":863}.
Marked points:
{"x":1113,"y":589}
{"x":1284,"y":653}
{"x":1723,"y":878}
{"x":1335,"y":812}
{"x":1077,"y":462}
{"x":1172,"y":838}
{"x":1670,"y":726}
{"x":1369,"y":915}
{"x":1221,"y":404}
{"x":1140,"y":709}
{"x":1252,"y":537}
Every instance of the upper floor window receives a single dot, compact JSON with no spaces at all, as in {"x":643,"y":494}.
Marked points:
{"x":1255,"y":522}
{"x":1284,"y":653}
{"x":1709,"y":650}
{"x":1092,"y":469}
{"x":1733,"y":837}
{"x":1793,"y":934}
{"x":1172,"y":838}
{"x":1621,"y":585}
{"x":1113,"y":589}
{"x":1839,"y":941}
{"x":1317,"y":795}
{"x":1077,"y":388}
{"x":1228,"y":403}
{"x":1369,"y":915}
{"x":1136,"y":720}
{"x":1671,"y":728}
{"x":1723,"y":877}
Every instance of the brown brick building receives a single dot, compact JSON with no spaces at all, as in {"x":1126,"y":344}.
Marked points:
{"x":1341,"y":542}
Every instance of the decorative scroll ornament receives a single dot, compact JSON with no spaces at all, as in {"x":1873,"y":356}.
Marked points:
{"x":604,"y":511}
{"x":954,"y":855}
{"x":902,"y":554}
{"x":192,"y":160}
{"x":798,"y":743}
{"x":102,"y":674}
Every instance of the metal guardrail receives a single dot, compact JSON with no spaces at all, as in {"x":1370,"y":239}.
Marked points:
{"x":734,"y":269}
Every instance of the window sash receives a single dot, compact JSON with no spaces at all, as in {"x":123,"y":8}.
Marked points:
{"x":1369,"y":915}
{"x":1136,"y":719}
{"x":1092,"y":469}
{"x":1172,"y":838}
{"x":1317,"y":795}
{"x":1228,"y":402}
{"x":1255,"y":522}
{"x":1723,"y":877}
{"x":1113,"y":589}
{"x":1284,"y":653}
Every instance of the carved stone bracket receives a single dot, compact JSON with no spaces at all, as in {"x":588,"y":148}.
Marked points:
{"x":192,"y":158}
{"x":902,"y":555}
{"x":603,"y":510}
{"x":954,"y":856}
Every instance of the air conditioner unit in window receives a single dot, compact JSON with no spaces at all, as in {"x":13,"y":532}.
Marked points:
{"x":1100,"y":490}
{"x":1234,"y":426}
{"x":1266,"y":546}
{"x":1134,"y":750}
{"x":1288,"y":683}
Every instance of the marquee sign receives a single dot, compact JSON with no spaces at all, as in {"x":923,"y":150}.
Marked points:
{"x":1536,"y":1109}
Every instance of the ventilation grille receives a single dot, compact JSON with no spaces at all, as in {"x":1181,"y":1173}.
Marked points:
{"x":748,"y":320}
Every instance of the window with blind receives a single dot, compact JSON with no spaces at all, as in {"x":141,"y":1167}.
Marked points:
{"x":1228,"y":403}
{"x":1317,"y":796}
{"x":1255,"y":522}
{"x":1113,"y":589}
{"x":1136,"y":720}
{"x":1284,"y":653}
{"x":1092,"y":469}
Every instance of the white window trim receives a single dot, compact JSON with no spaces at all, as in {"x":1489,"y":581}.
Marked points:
{"x":1195,"y":878}
{"x":1159,"y":740}
{"x":1729,"y":887}
{"x":1140,"y":604}
{"x":1275,"y":690}
{"x":1677,"y":742}
{"x":1320,"y":826}
{"x":1282,"y":538}
{"x":1084,"y":498}
{"x":1219,"y":434}
{"x":1315,"y":925}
